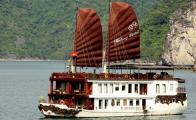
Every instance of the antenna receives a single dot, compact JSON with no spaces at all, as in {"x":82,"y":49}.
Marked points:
{"x":108,"y":64}
{"x":76,"y":2}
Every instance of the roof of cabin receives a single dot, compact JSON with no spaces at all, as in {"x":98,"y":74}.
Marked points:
{"x":142,"y":67}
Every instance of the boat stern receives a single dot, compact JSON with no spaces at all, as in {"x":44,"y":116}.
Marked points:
{"x":57,"y":110}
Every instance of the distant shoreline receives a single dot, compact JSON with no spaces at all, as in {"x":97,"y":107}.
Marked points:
{"x":183,"y":67}
{"x":29,"y":60}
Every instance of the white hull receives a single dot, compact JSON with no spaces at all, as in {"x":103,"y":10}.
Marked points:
{"x":158,"y":109}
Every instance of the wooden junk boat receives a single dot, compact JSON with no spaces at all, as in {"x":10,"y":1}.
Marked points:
{"x":112,"y":89}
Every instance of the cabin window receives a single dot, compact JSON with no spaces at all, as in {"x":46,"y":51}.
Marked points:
{"x":112,"y":102}
{"x":171,"y":87}
{"x":54,"y":85}
{"x":79,"y":86}
{"x":105,"y":88}
{"x":124,"y":102}
{"x":123,"y":87}
{"x":100,"y":104}
{"x":130,"y":88}
{"x":63,"y":87}
{"x":157,"y":88}
{"x":111,"y":88}
{"x":106,"y":103}
{"x":137,"y":102}
{"x":100,"y":87}
{"x":131,"y":102}
{"x":76,"y":86}
{"x":118,"y":102}
{"x":79,"y":102}
{"x":117,"y":87}
{"x":164,"y":88}
{"x":143,"y":89}
{"x":136,"y":88}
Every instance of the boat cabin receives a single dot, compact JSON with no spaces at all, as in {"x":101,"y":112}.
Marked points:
{"x":136,"y":89}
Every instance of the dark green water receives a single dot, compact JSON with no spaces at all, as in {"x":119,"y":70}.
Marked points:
{"x":22,"y":83}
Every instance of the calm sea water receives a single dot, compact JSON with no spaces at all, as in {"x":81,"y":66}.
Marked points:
{"x":22,"y":83}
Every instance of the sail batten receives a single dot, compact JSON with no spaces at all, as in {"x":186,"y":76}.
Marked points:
{"x":127,"y":46}
{"x":98,"y":52}
{"x":124,"y":34}
{"x":88,"y":39}
{"x":85,"y":47}
{"x":133,"y":50}
{"x":91,"y":36}
{"x":87,"y":43}
{"x":91,"y":27}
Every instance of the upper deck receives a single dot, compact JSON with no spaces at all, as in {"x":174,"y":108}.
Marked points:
{"x":136,"y":73}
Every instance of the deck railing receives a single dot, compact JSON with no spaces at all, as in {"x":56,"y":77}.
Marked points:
{"x":181,"y":90}
{"x":76,"y":91}
{"x":110,"y":76}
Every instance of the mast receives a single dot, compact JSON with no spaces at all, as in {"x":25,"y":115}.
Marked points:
{"x":108,"y":37}
{"x":74,"y":54}
{"x":105,"y":61}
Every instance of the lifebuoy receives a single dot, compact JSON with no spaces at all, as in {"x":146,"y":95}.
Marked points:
{"x":126,"y":76}
{"x":106,"y":76}
{"x":155,"y":76}
{"x":62,"y":102}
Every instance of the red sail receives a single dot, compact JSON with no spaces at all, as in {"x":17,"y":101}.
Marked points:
{"x":88,"y":39}
{"x":124,"y":34}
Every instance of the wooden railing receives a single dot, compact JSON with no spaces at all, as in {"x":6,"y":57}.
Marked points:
{"x":110,"y":76}
{"x":76,"y":91}
{"x":181,"y":90}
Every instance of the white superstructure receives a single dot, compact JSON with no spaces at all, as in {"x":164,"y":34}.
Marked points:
{"x":135,"y":97}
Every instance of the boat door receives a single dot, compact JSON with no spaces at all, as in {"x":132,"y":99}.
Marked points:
{"x":144,"y":104}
